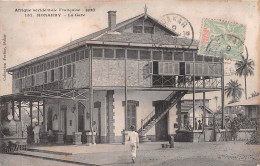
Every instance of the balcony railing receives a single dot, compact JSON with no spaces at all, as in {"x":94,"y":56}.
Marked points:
{"x":182,"y":81}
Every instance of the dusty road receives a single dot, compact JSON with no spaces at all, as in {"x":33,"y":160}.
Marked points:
{"x":184,"y":154}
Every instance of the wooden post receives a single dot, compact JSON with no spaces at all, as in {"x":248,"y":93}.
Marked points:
{"x":204,"y":110}
{"x":44,"y":118}
{"x":91,"y":95}
{"x":13,"y":109}
{"x":193,"y":103}
{"x":20,"y":110}
{"x":30,"y":105}
{"x":125,"y":92}
{"x":222,"y":94}
{"x":38,"y":112}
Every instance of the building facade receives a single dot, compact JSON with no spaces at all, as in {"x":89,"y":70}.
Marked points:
{"x":86,"y":84}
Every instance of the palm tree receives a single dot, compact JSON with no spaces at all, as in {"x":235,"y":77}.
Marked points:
{"x":244,"y":67}
{"x":233,"y":89}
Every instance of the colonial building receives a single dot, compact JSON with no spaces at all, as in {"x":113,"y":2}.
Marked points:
{"x":86,"y":84}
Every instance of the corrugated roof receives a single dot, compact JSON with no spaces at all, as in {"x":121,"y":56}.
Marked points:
{"x":251,"y":101}
{"x":146,"y":39}
{"x":103,"y":36}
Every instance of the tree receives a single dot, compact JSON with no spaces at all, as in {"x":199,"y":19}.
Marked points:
{"x":233,"y":89}
{"x":244,"y":67}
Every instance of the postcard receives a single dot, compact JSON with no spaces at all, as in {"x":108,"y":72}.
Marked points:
{"x":129,"y":82}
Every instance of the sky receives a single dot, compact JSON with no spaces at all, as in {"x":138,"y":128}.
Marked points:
{"x":29,"y":37}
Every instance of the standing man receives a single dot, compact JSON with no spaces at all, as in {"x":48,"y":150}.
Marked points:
{"x":134,"y":142}
{"x":36,"y":131}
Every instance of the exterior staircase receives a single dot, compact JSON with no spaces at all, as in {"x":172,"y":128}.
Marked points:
{"x":154,"y":117}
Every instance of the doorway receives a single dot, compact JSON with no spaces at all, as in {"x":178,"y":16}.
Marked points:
{"x":161,"y":127}
{"x":97,"y":121}
{"x":63,"y":120}
{"x":131,"y":113}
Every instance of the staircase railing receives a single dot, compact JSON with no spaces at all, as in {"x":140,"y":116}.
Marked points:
{"x":174,"y":96}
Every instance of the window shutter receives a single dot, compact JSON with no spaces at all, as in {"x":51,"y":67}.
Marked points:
{"x":150,"y":67}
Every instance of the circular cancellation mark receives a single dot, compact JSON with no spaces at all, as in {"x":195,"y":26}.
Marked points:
{"x":180,"y":30}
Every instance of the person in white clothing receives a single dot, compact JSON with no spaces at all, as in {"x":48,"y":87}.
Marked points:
{"x":36,"y":131}
{"x":134,"y":142}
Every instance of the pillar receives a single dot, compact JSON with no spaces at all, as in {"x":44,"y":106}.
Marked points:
{"x":222,"y":94}
{"x":20,"y":110}
{"x":30,"y":105}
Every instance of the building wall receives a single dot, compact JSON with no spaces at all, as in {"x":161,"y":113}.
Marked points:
{"x":112,"y":73}
{"x":145,"y":107}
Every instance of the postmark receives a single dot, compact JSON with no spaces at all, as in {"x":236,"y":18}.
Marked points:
{"x":183,"y":29}
{"x":221,"y":38}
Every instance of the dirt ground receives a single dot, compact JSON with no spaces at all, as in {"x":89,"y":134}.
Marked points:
{"x":184,"y":154}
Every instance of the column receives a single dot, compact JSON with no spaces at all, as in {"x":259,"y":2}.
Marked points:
{"x":222,"y":94}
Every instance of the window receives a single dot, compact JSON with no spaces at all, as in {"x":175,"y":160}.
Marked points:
{"x":68,"y":59}
{"x":167,"y":55}
{"x":56,"y":62}
{"x":120,"y":53}
{"x":81,"y":55}
{"x":41,"y":68}
{"x":64,"y":60}
{"x":77,"y":56}
{"x":167,"y":68}
{"x":52,"y":75}
{"x":208,"y":59}
{"x":68,"y":71}
{"x":73,"y":57}
{"x":45,"y":77}
{"x":97,"y":52}
{"x":188,"y":56}
{"x":157,"y":55}
{"x":52,"y":64}
{"x":65,"y":72}
{"x":198,"y":57}
{"x":137,"y":29}
{"x":145,"y":54}
{"x":87,"y":53}
{"x":108,"y":53}
{"x":33,"y":81}
{"x":25,"y":73}
{"x":60,"y":73}
{"x":48,"y":65}
{"x":60,"y":61}
{"x":188,"y":65}
{"x":132,"y":54}
{"x":38,"y":68}
{"x":178,"y":56}
{"x":148,"y":30}
{"x":155,"y":67}
{"x":34,"y":69}
{"x":73,"y":70}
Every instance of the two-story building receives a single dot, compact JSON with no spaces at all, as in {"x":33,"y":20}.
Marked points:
{"x":84,"y":85}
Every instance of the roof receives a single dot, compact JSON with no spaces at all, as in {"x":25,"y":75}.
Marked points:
{"x":248,"y":102}
{"x":105,"y":35}
{"x":146,"y":39}
{"x":186,"y":107}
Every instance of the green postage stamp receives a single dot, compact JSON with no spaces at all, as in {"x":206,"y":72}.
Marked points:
{"x":222,"y":39}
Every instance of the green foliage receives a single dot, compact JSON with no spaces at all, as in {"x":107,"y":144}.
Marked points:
{"x":233,"y":89}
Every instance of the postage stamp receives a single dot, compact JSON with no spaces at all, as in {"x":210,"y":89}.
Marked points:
{"x":222,"y":38}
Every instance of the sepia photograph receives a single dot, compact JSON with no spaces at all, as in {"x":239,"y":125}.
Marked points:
{"x":142,"y":82}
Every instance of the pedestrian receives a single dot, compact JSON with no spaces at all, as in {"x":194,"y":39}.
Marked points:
{"x":36,"y":131}
{"x":134,"y":142}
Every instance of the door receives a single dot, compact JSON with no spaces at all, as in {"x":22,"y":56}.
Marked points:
{"x":161,"y":127}
{"x":49,"y":119}
{"x":131,"y":115}
{"x":97,"y":121}
{"x":63,"y":120}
